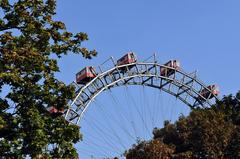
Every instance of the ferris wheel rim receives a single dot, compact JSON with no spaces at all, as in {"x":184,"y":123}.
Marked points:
{"x":190,"y":90}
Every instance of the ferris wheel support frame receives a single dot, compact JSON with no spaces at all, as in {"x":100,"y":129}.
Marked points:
{"x":187,"y":86}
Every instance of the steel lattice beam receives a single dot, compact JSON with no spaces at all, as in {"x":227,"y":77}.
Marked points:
{"x":108,"y":79}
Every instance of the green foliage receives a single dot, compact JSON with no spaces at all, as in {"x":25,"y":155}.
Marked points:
{"x":233,"y":149}
{"x":154,"y":149}
{"x":206,"y":133}
{"x":29,"y":39}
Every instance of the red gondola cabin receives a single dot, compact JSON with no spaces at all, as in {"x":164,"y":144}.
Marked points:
{"x":167,"y":71}
{"x":127,"y":59}
{"x":214,"y":91}
{"x":85,"y":75}
{"x":54,"y":110}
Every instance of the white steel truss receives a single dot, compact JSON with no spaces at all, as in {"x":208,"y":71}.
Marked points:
{"x":184,"y":86}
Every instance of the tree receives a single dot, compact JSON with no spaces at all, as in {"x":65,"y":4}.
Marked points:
{"x":206,"y":133}
{"x":154,"y":149}
{"x":31,"y":41}
{"x":233,"y":149}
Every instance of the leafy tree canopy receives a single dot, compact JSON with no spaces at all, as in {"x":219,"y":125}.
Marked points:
{"x":29,"y":37}
{"x":206,"y":133}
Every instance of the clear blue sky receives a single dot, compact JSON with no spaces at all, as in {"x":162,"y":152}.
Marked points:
{"x":204,"y":35}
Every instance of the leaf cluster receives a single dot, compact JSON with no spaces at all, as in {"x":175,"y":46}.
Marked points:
{"x":31,"y":42}
{"x":206,"y":133}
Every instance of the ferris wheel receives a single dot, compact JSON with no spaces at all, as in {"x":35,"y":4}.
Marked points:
{"x":110,"y":129}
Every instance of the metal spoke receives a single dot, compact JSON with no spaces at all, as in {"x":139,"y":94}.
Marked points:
{"x":183,"y":86}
